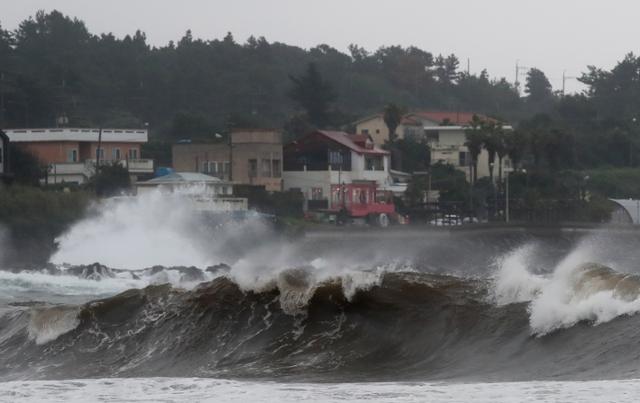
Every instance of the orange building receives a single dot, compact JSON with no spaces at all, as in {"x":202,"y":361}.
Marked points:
{"x":70,"y":154}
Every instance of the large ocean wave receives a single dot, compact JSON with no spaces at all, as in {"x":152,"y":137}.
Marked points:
{"x":384,"y":323}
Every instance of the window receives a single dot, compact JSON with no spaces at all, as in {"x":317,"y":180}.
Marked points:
{"x":100,"y":153}
{"x":276,"y":170}
{"x":335,"y":158}
{"x":266,"y":168}
{"x":365,"y":131}
{"x":377,"y":131}
{"x":115,"y":153}
{"x":253,"y":168}
{"x":205,"y":167}
{"x":316,"y":193}
{"x":72,"y":155}
{"x":463,"y":158}
{"x":133,"y":153}
{"x":227,"y":167}
{"x":433,"y":136}
{"x":374,"y":163}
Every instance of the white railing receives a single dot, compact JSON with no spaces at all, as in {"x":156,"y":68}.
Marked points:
{"x":138,"y":165}
{"x":78,"y":134}
{"x":134,"y":165}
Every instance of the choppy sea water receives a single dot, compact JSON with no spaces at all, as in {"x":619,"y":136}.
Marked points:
{"x":213,"y":390}
{"x":231,"y":312}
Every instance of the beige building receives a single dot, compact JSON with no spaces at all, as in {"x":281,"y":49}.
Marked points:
{"x":445,"y":132}
{"x":253,"y":158}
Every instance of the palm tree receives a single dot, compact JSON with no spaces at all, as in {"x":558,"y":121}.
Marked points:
{"x":490,"y":142}
{"x":501,"y":148}
{"x":474,"y":144}
{"x":516,"y":143}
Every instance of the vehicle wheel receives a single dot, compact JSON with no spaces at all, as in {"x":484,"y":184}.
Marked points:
{"x":383,"y":220}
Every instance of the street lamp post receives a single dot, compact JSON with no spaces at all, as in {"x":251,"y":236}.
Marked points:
{"x":506,"y":207}
{"x":507,"y":214}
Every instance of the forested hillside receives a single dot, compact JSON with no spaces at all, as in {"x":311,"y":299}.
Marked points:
{"x":54,"y":71}
{"x":53,"y":66}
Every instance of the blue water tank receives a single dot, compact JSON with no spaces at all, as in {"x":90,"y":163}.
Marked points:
{"x":162,"y":171}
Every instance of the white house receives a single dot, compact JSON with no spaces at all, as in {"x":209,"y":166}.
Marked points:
{"x":444,"y":132}
{"x":318,"y":162}
{"x":207,"y":193}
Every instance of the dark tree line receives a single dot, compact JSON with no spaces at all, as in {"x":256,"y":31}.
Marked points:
{"x":55,"y":71}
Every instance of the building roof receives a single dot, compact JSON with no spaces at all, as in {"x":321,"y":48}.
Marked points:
{"x":77,"y":134}
{"x":454,"y":118}
{"x":367,"y":118}
{"x":632,"y":207}
{"x":181,"y":177}
{"x":350,"y":141}
{"x":414,"y":118}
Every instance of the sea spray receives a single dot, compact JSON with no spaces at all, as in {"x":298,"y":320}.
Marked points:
{"x":578,"y":289}
{"x":136,"y":232}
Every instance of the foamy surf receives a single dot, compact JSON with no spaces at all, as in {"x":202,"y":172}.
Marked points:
{"x":578,"y":289}
{"x":222,"y":391}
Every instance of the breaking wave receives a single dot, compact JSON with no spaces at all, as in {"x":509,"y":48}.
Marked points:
{"x":421,"y":306}
{"x":382,"y":323}
{"x":154,"y":228}
{"x":578,"y":289}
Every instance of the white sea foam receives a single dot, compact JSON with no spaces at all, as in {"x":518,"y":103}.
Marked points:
{"x":136,"y":232}
{"x":216,"y":390}
{"x":36,"y":283}
{"x":514,"y":282}
{"x":297,"y":280}
{"x":580,"y":288}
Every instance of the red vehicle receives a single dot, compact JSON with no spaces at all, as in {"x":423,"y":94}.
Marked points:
{"x":363,"y":200}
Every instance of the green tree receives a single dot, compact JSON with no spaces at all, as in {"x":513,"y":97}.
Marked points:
{"x":111,"y":180}
{"x":392,"y":117}
{"x":516,"y":145}
{"x":315,"y":95}
{"x":25,"y":166}
{"x":538,"y":87}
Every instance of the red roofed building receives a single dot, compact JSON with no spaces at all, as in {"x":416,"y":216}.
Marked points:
{"x":321,"y":161}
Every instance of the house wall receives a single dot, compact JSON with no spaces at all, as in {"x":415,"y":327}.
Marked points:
{"x":50,"y":151}
{"x":265,"y":155}
{"x":378,"y":130}
{"x":60,"y":151}
{"x":192,"y":157}
{"x":263,"y":146}
{"x":2,"y":155}
{"x":306,"y":181}
{"x":109,"y":149}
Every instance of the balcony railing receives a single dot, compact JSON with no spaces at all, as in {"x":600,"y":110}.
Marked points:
{"x":133,"y":165}
{"x":139,"y":165}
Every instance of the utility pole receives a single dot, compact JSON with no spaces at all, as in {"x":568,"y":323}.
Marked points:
{"x":99,"y":149}
{"x":506,"y":213}
{"x":516,"y":83}
{"x":565,"y":78}
{"x":1,"y":100}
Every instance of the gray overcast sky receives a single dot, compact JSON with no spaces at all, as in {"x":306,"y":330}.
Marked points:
{"x":553,"y":35}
